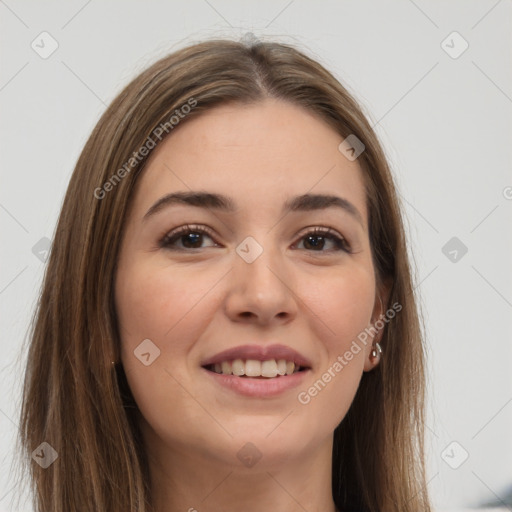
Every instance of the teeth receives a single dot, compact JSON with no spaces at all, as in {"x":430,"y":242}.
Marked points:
{"x":253,"y":368}
{"x":238,"y":367}
{"x":269,"y":368}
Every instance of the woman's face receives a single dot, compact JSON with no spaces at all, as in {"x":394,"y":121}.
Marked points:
{"x":257,"y":278}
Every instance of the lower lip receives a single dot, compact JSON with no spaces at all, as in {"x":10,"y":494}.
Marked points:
{"x":260,"y":388}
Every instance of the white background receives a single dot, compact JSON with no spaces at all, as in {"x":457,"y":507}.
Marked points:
{"x":446,"y":126}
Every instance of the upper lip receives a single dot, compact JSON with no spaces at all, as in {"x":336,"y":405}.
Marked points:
{"x":259,"y":353}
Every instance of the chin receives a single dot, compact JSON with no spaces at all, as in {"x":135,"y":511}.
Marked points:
{"x":272,"y":439}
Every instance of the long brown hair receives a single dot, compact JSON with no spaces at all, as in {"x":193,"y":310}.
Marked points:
{"x":79,"y":404}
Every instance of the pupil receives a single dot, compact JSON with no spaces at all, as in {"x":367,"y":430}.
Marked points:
{"x":309,"y":238}
{"x":187,"y":238}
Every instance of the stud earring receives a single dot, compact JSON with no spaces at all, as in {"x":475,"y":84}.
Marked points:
{"x":376,"y":352}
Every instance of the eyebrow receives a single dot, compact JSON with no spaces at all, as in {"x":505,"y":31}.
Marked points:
{"x":219,"y":202}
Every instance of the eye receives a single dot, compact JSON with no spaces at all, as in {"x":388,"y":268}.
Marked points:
{"x":317,"y":237}
{"x":191,"y":237}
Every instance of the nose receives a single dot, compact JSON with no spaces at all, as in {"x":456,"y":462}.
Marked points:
{"x":261,"y":292}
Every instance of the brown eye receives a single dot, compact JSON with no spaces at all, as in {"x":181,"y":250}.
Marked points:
{"x":191,"y":237}
{"x":316,"y":240}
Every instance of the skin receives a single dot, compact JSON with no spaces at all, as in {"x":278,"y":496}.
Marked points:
{"x":196,"y":302}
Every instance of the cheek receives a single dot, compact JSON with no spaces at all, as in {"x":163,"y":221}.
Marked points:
{"x":342,"y":305}
{"x":156,"y":303}
{"x":170,"y":306}
{"x":165,"y":306}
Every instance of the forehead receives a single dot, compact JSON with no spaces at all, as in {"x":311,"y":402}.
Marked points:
{"x":258,"y":154}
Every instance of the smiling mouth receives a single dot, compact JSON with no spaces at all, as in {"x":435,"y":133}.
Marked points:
{"x":251,"y":368}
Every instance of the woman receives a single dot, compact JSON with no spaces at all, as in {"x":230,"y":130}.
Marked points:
{"x":227,"y":320}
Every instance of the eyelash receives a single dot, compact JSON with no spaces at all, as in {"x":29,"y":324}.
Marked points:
{"x":169,"y":239}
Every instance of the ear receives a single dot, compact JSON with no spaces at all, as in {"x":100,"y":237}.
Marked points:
{"x":380,"y":306}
